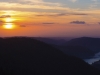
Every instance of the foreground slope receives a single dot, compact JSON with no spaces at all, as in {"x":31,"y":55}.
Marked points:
{"x":96,"y":64}
{"x":27,"y":56}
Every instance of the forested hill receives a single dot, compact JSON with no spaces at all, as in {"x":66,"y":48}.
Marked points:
{"x":27,"y":56}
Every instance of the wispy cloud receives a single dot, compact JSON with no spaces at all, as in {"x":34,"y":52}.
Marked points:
{"x":42,"y":6}
{"x":94,"y":4}
{"x":22,"y":26}
{"x":53,"y":11}
{"x":35,"y":6}
{"x":5,"y":16}
{"x":40,"y":2}
{"x":52,"y":14}
{"x":1,"y":21}
{"x":61,"y":14}
{"x":48,"y":23}
{"x":73,"y":0}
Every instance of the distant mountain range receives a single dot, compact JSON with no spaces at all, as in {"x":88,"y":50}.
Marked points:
{"x":84,"y":47}
{"x":52,"y":41}
{"x":91,"y":43}
{"x":78,"y":51}
{"x":28,"y":56}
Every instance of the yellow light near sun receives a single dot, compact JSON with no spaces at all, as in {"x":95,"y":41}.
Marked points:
{"x":9,"y":20}
{"x":8,"y":26}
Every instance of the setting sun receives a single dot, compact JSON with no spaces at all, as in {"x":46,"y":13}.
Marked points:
{"x":8,"y":26}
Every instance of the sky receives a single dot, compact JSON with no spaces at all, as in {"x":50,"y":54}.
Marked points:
{"x":50,"y":18}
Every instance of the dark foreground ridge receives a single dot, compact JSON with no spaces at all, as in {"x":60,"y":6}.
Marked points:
{"x":96,"y":64}
{"x":27,"y":56}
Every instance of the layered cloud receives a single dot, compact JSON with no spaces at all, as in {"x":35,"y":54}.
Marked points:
{"x":42,"y":10}
{"x":73,"y":0}
{"x":39,"y":6}
{"x":78,"y":22}
{"x":48,"y":23}
{"x":61,"y":14}
{"x":5,"y":16}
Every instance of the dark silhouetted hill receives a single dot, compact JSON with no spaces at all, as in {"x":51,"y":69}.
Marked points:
{"x":96,"y":64}
{"x":78,"y":51}
{"x":27,"y":56}
{"x":91,"y":43}
{"x":51,"y":41}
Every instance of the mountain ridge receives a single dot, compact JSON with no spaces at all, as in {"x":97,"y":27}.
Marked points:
{"x":91,"y":43}
{"x":32,"y":57}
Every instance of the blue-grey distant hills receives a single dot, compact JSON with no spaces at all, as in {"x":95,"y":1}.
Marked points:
{"x":84,"y":47}
{"x":88,"y":42}
{"x":52,"y":41}
{"x":78,"y":51}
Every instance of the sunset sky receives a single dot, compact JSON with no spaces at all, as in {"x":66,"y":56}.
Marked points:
{"x":50,"y":18}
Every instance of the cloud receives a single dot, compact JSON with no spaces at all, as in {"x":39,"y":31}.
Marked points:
{"x":22,"y":26}
{"x":78,"y":22}
{"x":73,"y":0}
{"x":1,"y":21}
{"x":48,"y":23}
{"x":53,"y":14}
{"x":99,"y":23}
{"x":79,"y":14}
{"x":61,"y":14}
{"x":42,"y":6}
{"x":5,"y":16}
{"x":33,"y":5}
{"x":67,"y":14}
{"x":94,"y":4}
{"x":40,"y":2}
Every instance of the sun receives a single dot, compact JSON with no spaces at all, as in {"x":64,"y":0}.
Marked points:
{"x":8,"y":26}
